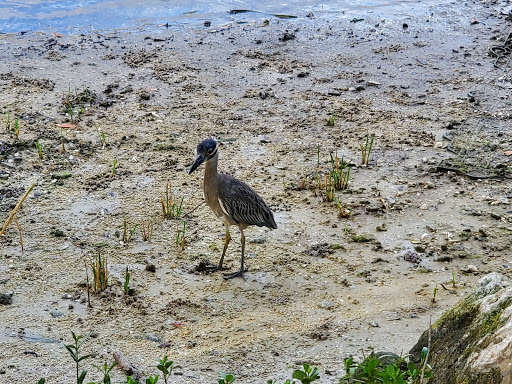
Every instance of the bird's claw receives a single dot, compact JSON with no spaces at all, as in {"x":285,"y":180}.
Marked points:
{"x":239,"y":273}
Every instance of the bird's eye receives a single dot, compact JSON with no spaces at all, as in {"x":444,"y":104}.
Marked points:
{"x":209,"y":152}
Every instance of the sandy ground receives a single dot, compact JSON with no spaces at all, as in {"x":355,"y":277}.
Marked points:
{"x":438,"y":181}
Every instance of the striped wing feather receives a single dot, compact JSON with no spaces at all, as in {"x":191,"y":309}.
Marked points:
{"x":243,"y":204}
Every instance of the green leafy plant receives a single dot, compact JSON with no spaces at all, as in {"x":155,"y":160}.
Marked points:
{"x":307,"y":375}
{"x":374,"y":371}
{"x":130,"y":380}
{"x":41,"y":381}
{"x":106,"y":373}
{"x":226,"y":378}
{"x":366,"y":149}
{"x":453,"y":280}
{"x":165,"y":366}
{"x":152,"y":379}
{"x":169,"y":208}
{"x":74,"y":352}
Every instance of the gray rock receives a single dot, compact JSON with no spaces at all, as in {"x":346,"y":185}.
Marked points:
{"x":153,"y":338}
{"x":55,"y":313}
{"x":472,"y":342}
{"x":6,"y":298}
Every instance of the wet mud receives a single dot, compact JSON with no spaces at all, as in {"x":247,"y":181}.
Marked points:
{"x":117,"y":116}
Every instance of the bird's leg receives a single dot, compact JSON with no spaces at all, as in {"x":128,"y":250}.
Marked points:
{"x":240,"y":273}
{"x":226,"y":243}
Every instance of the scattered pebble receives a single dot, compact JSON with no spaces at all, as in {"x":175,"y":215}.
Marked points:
{"x":56,"y":313}
{"x":6,"y":298}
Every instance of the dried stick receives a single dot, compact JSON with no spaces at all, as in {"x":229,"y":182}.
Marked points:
{"x":88,"y":291}
{"x":188,"y":213}
{"x":125,"y":365}
{"x":19,"y":229}
{"x":9,"y":219}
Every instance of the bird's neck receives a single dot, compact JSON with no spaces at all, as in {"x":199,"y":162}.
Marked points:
{"x":210,"y":177}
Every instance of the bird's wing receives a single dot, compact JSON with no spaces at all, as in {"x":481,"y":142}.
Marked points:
{"x":243,"y":204}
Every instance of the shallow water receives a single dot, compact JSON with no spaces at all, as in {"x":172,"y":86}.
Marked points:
{"x":69,"y":16}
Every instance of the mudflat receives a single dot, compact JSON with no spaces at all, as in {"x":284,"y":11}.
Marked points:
{"x":102,"y":122}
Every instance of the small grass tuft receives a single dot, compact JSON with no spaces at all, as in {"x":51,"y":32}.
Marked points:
{"x":366,"y":149}
{"x":39,"y":150}
{"x":114,"y":168}
{"x":99,"y":273}
{"x":147,"y":230}
{"x":170,"y":208}
{"x":127,"y":236}
{"x":180,"y":236}
{"x":332,"y":120}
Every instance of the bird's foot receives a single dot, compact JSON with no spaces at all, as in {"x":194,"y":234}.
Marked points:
{"x":239,"y":273}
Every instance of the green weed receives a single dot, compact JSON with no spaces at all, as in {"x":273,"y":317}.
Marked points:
{"x":226,"y":378}
{"x":331,"y":120}
{"x":103,"y":138}
{"x":434,"y":294}
{"x":106,"y":373}
{"x":373,"y":370}
{"x":147,"y":231}
{"x":114,"y":168}
{"x":126,"y":286}
{"x":180,"y":236}
{"x":169,"y":208}
{"x":307,"y":375}
{"x":39,"y":150}
{"x":337,"y":177}
{"x":165,"y":366}
{"x":366,"y":149}
{"x":152,"y":379}
{"x":74,"y":352}
{"x":99,"y":273}
{"x":16,"y":129}
{"x":127,"y":236}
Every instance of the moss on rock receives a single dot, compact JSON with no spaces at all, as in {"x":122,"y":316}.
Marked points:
{"x":463,"y":332}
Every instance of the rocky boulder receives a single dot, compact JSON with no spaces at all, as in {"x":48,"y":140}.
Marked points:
{"x":472,"y":343}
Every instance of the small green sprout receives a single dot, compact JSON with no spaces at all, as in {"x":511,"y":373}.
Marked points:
{"x":226,"y":378}
{"x":74,"y":352}
{"x":114,"y":168}
{"x":39,"y":150}
{"x":165,"y":366}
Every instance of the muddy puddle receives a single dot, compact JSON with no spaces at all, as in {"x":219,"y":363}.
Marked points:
{"x":329,"y":282}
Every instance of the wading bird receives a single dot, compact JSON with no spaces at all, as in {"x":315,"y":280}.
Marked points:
{"x":232,"y":201}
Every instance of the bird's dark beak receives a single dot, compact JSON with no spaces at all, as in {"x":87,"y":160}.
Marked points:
{"x":197,"y":163}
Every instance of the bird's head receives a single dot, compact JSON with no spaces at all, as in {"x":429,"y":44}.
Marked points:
{"x":205,"y":151}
